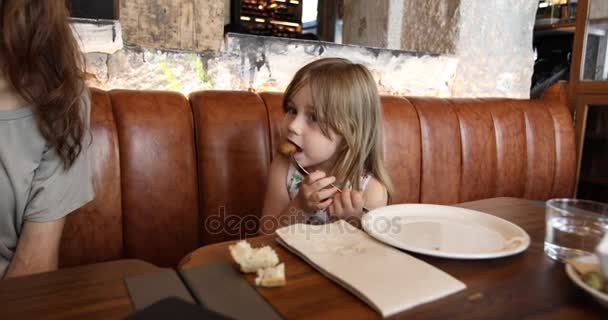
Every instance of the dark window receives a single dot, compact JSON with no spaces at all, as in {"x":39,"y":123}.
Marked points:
{"x":279,"y":18}
{"x":97,"y":9}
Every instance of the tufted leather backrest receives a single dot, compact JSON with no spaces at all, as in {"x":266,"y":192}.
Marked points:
{"x":145,"y":178}
{"x":484,"y":148}
{"x":158,"y":175}
{"x":94,"y":233}
{"x":233,"y":158}
{"x":171,"y":174}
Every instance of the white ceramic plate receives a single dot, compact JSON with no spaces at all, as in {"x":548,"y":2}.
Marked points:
{"x":601,"y":297}
{"x":445,"y":231}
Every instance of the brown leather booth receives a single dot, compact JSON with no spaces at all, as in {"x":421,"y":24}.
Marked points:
{"x":172,"y":174}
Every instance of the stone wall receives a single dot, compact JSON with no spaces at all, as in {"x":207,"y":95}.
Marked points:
{"x":430,"y":25}
{"x":369,"y":23}
{"x":480,"y":49}
{"x":495,"y":51}
{"x":265,"y":64}
{"x":173,"y":24}
{"x":490,"y":39}
{"x":598,"y":9}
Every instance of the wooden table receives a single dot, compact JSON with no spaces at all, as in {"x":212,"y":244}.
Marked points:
{"x":524,"y":286}
{"x":89,"y":292}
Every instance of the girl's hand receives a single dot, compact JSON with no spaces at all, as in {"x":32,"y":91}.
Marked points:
{"x":347,"y":205}
{"x":314,"y":194}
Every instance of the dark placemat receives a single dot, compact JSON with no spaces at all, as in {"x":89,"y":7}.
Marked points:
{"x":150,"y":288}
{"x":175,"y":308}
{"x":221,"y":288}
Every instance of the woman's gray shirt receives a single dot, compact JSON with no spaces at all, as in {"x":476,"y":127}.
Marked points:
{"x":34,"y":186}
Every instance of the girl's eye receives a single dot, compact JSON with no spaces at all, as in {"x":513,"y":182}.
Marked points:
{"x":291,"y":111}
{"x":312,"y":117}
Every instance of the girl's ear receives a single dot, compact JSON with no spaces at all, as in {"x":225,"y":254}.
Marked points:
{"x":342,"y":148}
{"x":333,"y":135}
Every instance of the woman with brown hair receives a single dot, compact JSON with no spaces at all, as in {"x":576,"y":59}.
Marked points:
{"x":44,"y":116}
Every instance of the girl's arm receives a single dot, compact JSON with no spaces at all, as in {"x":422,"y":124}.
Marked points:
{"x":277,"y":205}
{"x":349,"y":204}
{"x":38,"y":248}
{"x":375,"y":194}
{"x":279,"y":210}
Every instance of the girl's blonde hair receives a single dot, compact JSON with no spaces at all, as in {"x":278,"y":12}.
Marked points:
{"x":345,"y":99}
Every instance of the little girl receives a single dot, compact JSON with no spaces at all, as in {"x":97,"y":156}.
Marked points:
{"x":333,"y":118}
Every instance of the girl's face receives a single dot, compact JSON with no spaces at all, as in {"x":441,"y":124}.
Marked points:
{"x":315,"y":150}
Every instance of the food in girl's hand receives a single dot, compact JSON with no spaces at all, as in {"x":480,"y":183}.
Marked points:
{"x":251,"y":259}
{"x":271,"y":277}
{"x":287,"y":148}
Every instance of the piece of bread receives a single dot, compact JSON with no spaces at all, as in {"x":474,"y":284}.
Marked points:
{"x":251,"y":259}
{"x":239,"y":249}
{"x":271,"y":276}
{"x":287,"y":148}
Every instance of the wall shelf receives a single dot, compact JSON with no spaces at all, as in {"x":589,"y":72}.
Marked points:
{"x":588,"y":97}
{"x":556,"y":27}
